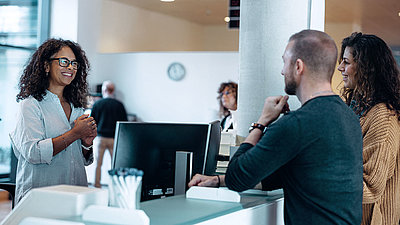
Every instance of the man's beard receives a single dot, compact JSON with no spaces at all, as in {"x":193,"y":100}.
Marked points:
{"x":290,"y":86}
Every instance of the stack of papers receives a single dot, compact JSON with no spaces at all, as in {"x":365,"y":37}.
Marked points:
{"x":216,"y":194}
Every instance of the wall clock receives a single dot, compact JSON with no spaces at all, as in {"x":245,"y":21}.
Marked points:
{"x":176,"y":71}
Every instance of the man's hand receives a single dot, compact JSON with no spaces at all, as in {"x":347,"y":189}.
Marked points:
{"x":273,"y":106}
{"x":204,"y":181}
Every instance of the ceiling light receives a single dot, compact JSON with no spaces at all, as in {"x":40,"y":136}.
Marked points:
{"x":227,"y":19}
{"x":399,"y":13}
{"x":167,"y":0}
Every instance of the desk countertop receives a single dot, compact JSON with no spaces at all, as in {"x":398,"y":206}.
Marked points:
{"x":180,"y":210}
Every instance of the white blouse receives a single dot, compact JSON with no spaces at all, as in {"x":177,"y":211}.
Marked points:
{"x":230,"y":120}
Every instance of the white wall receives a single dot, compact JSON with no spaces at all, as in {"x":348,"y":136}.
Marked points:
{"x":145,"y":89}
{"x":64,"y":19}
{"x":78,"y":21}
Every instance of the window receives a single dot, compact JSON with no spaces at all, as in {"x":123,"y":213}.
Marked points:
{"x":20,"y":21}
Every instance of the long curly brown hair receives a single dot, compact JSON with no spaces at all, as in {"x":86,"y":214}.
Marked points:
{"x":234,"y":88}
{"x":377,"y":74}
{"x":34,"y":81}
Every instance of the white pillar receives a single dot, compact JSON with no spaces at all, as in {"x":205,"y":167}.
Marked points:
{"x":265,"y":27}
{"x":89,"y":26}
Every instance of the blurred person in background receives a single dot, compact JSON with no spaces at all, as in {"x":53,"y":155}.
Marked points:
{"x":106,"y":111}
{"x":227,"y":96}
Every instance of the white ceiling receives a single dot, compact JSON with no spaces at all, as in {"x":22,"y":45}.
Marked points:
{"x":380,"y":17}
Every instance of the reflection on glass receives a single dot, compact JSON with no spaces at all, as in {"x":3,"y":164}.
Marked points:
{"x":19,"y":23}
{"x":18,"y":39}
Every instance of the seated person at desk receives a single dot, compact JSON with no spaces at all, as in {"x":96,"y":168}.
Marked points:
{"x":313,"y":153}
{"x":227,"y":95}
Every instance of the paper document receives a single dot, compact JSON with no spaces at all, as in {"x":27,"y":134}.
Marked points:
{"x":216,"y":194}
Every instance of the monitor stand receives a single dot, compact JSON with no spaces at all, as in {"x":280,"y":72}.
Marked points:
{"x":183,"y":171}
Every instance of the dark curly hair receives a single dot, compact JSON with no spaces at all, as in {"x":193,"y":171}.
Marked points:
{"x":232,"y":86}
{"x":34,"y":81}
{"x":377,"y":74}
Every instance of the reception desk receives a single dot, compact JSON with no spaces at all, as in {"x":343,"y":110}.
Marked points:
{"x":67,"y":203}
{"x":253,"y":209}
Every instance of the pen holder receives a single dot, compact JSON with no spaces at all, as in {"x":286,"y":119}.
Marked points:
{"x":125,"y":187}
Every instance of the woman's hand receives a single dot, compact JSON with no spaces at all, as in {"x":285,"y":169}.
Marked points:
{"x":85,"y":128}
{"x":88,"y":140}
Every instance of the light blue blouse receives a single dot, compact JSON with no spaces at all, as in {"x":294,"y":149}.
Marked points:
{"x":37,"y":123}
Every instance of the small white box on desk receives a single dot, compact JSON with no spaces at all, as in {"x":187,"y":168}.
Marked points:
{"x":56,"y":202}
{"x":45,"y":221}
{"x":113,"y":215}
{"x":215,"y":194}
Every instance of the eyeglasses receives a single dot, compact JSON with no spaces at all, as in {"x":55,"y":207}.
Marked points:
{"x":64,"y":62}
{"x":225,"y":93}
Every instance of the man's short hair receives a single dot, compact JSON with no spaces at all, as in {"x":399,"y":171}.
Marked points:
{"x":316,"y":49}
{"x":108,"y":87}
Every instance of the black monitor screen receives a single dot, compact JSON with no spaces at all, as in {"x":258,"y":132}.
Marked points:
{"x":151,"y":147}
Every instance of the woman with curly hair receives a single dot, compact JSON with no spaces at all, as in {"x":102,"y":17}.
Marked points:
{"x":372,"y":89}
{"x":53,"y":138}
{"x":227,"y":96}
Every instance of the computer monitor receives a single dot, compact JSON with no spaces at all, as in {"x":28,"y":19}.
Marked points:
{"x":152,"y":147}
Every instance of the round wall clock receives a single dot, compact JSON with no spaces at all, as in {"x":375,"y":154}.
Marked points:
{"x":176,"y":71}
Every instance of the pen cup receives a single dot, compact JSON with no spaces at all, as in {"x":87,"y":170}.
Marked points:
{"x":125,"y":188}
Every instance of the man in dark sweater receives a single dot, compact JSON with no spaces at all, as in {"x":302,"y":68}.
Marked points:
{"x":106,"y":112}
{"x":313,"y":153}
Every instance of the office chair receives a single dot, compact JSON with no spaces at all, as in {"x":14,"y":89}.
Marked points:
{"x":10,"y":184}
{"x":10,"y":187}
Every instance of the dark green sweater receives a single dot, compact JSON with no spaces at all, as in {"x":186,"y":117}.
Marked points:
{"x":315,"y":155}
